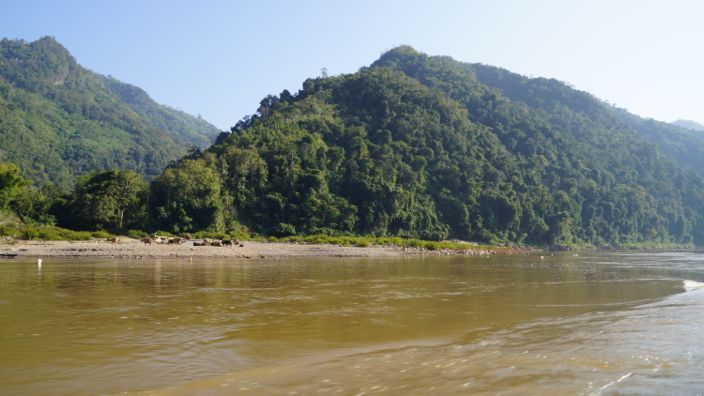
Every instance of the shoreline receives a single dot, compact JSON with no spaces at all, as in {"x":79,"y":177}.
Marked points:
{"x":128,"y":248}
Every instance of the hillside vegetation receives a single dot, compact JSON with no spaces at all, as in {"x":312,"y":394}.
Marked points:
{"x":414,"y":147}
{"x":559,"y":103}
{"x":689,"y":124}
{"x":430,"y":147}
{"x":59,"y":120}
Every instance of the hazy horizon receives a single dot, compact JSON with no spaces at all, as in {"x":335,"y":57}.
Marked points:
{"x":218,"y":60}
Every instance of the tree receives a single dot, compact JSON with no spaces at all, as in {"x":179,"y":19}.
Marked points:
{"x":113,"y":200}
{"x":186,"y":197}
{"x":12,"y":185}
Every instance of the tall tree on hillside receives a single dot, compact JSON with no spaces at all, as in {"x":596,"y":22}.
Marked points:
{"x":113,"y":200}
{"x":12,"y":184}
{"x":186,"y":197}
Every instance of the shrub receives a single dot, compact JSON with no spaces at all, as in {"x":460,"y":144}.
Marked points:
{"x":284,"y":229}
{"x":100,"y":234}
{"x":137,"y":234}
{"x":30,"y":234}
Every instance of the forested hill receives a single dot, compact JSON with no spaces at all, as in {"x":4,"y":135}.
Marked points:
{"x":431,"y":147}
{"x":182,"y":126}
{"x":688,"y":124}
{"x":683,"y":145}
{"x":59,"y":120}
{"x":561,"y":103}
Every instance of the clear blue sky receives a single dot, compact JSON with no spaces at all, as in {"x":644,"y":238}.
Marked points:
{"x":219,"y":58}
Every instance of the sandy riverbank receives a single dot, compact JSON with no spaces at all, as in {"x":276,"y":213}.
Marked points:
{"x":132,"y":248}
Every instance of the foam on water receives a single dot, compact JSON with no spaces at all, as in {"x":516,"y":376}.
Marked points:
{"x":612,"y":383}
{"x":690,"y":285}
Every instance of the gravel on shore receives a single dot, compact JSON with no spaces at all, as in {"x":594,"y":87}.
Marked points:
{"x":135,"y":249}
{"x":129,"y":248}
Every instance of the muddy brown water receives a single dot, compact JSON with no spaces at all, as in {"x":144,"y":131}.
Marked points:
{"x":598,"y":323}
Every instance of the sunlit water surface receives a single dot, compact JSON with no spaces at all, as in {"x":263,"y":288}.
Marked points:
{"x":601,"y":323}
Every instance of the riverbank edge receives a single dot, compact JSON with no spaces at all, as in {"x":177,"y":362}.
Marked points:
{"x":129,"y":248}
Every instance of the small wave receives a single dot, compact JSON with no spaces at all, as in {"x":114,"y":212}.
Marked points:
{"x":612,"y":383}
{"x":690,"y":285}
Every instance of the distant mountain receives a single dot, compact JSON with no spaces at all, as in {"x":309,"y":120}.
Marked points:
{"x":689,"y":124}
{"x":182,"y":126}
{"x":427,"y":146}
{"x":59,"y":120}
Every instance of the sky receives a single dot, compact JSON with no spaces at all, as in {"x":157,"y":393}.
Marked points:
{"x":218,"y":59}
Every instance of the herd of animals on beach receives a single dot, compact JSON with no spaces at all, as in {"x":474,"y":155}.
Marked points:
{"x":165,"y":240}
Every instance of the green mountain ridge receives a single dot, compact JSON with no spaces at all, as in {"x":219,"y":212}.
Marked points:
{"x":551,"y":96}
{"x":434,"y":148}
{"x":59,"y":120}
{"x":182,"y":126}
{"x":682,"y":145}
{"x":689,"y":124}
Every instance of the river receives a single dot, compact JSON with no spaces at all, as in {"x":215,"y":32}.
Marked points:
{"x":593,"y":323}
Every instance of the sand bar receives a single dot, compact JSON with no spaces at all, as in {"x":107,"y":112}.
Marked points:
{"x":134,"y":249}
